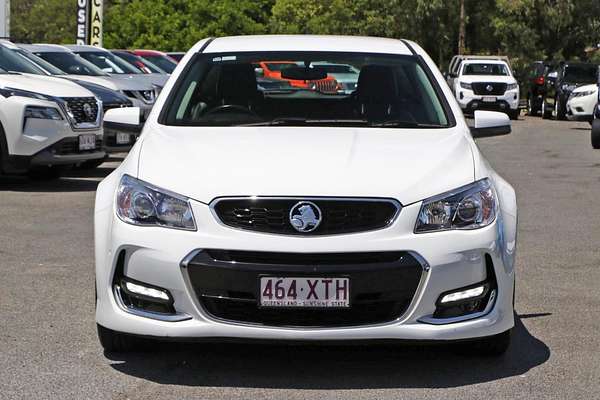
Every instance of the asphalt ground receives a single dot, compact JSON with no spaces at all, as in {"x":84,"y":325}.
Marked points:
{"x":49,"y":349}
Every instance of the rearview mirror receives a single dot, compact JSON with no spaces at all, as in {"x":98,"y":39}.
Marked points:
{"x":303,"y":74}
{"x":490,"y":123}
{"x":126,"y":119}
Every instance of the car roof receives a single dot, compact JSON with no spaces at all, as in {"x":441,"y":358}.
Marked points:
{"x":352,"y":44}
{"x":148,"y":52}
{"x":84,"y":48}
{"x":484,"y":60}
{"x":44,"y":48}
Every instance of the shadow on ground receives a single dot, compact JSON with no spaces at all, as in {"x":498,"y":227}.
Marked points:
{"x":70,"y":181}
{"x":329,"y":367}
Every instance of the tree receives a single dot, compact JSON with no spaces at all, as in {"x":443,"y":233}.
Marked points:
{"x":48,"y":21}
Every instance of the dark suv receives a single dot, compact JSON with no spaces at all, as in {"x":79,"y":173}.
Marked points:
{"x":560,"y":83}
{"x":535,"y":85}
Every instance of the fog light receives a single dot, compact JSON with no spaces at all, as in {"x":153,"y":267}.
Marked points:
{"x":146,"y":291}
{"x":463,"y":295}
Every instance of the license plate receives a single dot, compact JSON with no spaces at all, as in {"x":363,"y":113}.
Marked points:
{"x":122,"y":138}
{"x":87,"y":142}
{"x":305,"y":292}
{"x":489,"y":99}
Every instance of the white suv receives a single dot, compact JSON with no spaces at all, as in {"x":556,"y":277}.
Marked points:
{"x":46,"y":122}
{"x":486,"y":85}
{"x":250,"y":213}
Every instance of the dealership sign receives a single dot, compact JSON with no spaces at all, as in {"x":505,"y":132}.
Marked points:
{"x":89,"y":22}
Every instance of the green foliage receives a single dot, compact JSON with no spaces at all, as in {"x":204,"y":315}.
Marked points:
{"x":522,"y":29}
{"x":48,"y":21}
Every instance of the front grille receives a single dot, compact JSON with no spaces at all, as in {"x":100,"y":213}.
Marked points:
{"x":82,"y":109}
{"x":70,"y":145}
{"x":226,"y":284}
{"x":339,"y":216}
{"x":326,"y":86}
{"x":482,"y":88}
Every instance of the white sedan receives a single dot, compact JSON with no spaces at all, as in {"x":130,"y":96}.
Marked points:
{"x":304,"y":216}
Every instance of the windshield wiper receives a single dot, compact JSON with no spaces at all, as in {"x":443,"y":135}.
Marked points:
{"x":403,"y":124}
{"x":299,"y":121}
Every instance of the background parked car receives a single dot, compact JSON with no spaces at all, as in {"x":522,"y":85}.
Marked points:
{"x":177,"y":55}
{"x":114,"y":65}
{"x":162,"y":60}
{"x":143,"y":65}
{"x":141,"y":92}
{"x":535,"y":86}
{"x":560,"y":84}
{"x":346,"y":75}
{"x":46,"y":123}
{"x":272,"y":70}
{"x":26,"y":62}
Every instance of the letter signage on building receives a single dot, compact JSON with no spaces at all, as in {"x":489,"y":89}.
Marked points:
{"x":89,"y":22}
{"x":82,"y":22}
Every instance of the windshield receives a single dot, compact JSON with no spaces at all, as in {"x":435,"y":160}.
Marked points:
{"x":11,"y":60}
{"x":162,"y":62}
{"x":40,"y":62}
{"x":110,"y":63}
{"x":139,"y":63}
{"x":485,"y":69}
{"x":581,"y":73}
{"x":222,"y":90}
{"x":70,"y":63}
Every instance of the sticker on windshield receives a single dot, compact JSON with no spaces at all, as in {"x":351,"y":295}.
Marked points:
{"x":224,"y":58}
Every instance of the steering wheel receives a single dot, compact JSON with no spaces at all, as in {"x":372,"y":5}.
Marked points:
{"x":230,"y":107}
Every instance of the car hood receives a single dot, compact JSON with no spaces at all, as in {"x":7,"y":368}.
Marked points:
{"x":115,"y":82}
{"x":43,"y":84}
{"x":135,"y":82}
{"x":487,"y":78}
{"x":206,"y":163}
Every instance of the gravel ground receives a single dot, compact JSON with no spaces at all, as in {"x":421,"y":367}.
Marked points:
{"x":49,"y":350}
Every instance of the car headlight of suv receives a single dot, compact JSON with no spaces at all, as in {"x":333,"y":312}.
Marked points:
{"x":583,"y":94}
{"x":512,"y":86}
{"x":139,"y":203}
{"x":37,"y":112}
{"x":466,"y":85}
{"x":469,"y":207}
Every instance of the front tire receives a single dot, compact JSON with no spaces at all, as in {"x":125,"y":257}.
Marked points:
{"x":117,"y":342}
{"x":596,"y":134}
{"x":546,"y":112}
{"x":559,"y":110}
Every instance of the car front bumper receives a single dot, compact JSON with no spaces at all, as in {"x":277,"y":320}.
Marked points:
{"x":581,"y":108}
{"x":157,"y":256}
{"x":469,"y":101}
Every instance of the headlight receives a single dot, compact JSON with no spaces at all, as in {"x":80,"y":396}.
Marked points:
{"x":583,"y":94}
{"x":9,"y":92}
{"x":139,"y":203}
{"x":567,"y":87}
{"x":37,"y":112}
{"x":466,"y":85}
{"x":469,"y":207}
{"x":512,"y":86}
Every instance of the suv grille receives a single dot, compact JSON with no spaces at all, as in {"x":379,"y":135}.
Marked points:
{"x":481,"y":88}
{"x":382,"y":284}
{"x":326,"y":86}
{"x":339,"y":216}
{"x":82,"y":109}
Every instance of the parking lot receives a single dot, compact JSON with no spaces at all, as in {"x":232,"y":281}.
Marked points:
{"x":49,"y":349}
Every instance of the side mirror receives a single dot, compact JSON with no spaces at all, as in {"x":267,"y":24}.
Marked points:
{"x":126,"y":119}
{"x":490,"y":123}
